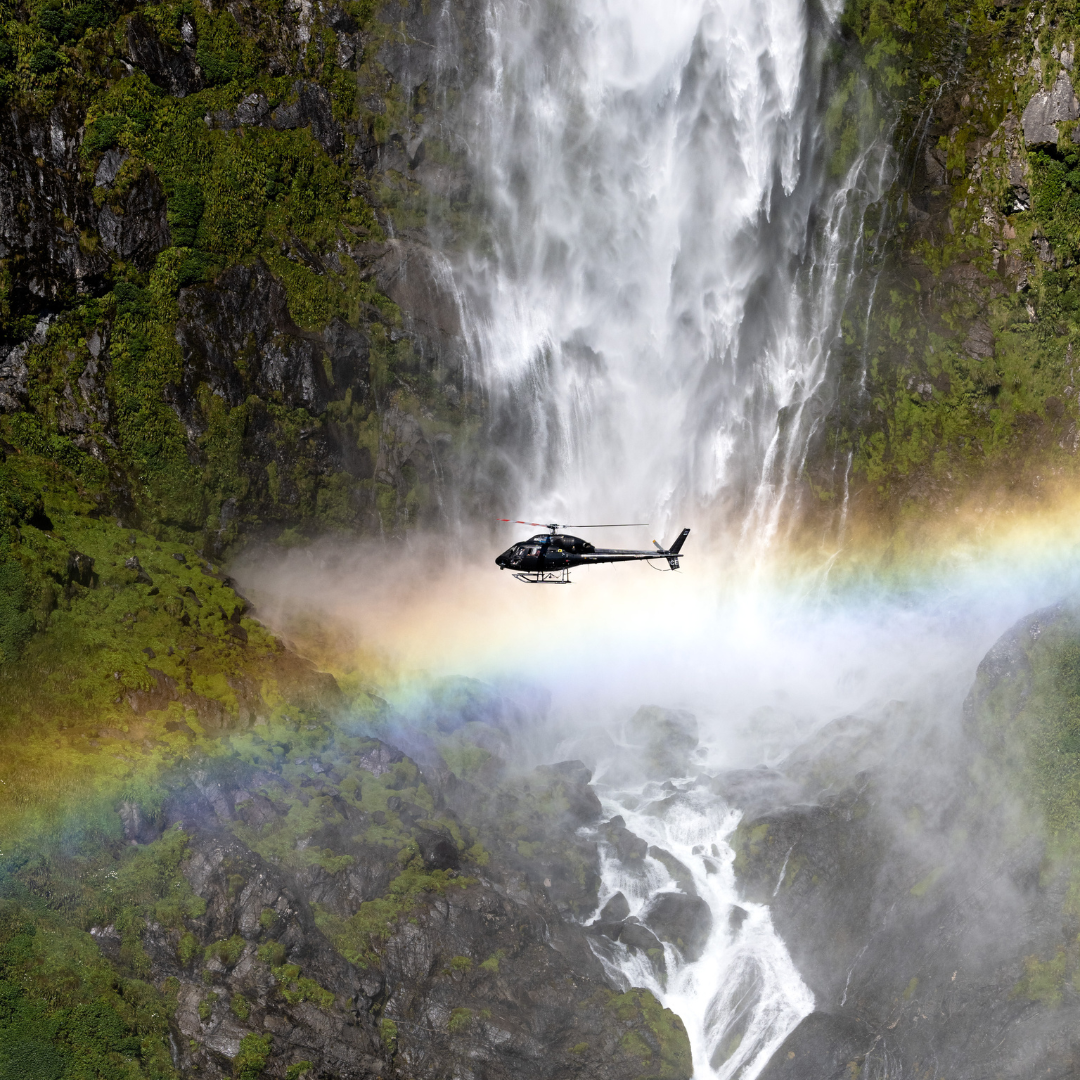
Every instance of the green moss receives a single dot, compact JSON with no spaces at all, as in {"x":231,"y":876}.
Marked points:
{"x":272,"y":953}
{"x":388,"y":1033}
{"x":633,"y":1044}
{"x":460,"y":1021}
{"x":1044,"y":980}
{"x":360,"y":937}
{"x":658,"y":1037}
{"x":920,"y":889}
{"x":227,"y":951}
{"x":295,"y":988}
{"x":250,"y":1062}
{"x":297,"y":1070}
{"x":491,"y":964}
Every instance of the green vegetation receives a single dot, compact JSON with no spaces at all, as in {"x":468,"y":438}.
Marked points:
{"x":388,"y":1034}
{"x":294,"y":988}
{"x":360,"y":937}
{"x":65,"y":1013}
{"x":1044,"y":980}
{"x":249,"y":195}
{"x":460,"y":1021}
{"x":657,"y":1038}
{"x":961,"y":385}
{"x":250,"y":1062}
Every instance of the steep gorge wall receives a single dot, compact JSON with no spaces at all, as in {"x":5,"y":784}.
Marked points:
{"x":958,"y":366}
{"x":217,"y":297}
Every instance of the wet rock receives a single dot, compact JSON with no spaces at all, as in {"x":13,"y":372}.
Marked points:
{"x":14,"y":372}
{"x":158,"y":696}
{"x":668,"y":736}
{"x":109,"y":166}
{"x":615,"y":910}
{"x":979,"y":343}
{"x":730,"y":1013}
{"x":137,"y":231}
{"x":679,"y":872}
{"x":736,"y":917}
{"x":419,"y":280}
{"x":637,"y":935}
{"x":573,"y":777}
{"x":45,"y":210}
{"x":629,"y":848}
{"x":176,"y":72}
{"x":139,"y":828}
{"x":439,"y":852}
{"x":684,"y":921}
{"x":822,"y":1047}
{"x":245,"y":312}
{"x":1047,"y":109}
{"x":141,"y":576}
{"x":312,"y":108}
{"x":80,"y":570}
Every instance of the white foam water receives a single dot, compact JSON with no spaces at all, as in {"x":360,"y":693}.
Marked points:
{"x":742,"y":996}
{"x":654,"y":319}
{"x":655,"y":314}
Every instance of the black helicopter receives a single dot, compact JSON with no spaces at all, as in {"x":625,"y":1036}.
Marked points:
{"x":548,"y":560}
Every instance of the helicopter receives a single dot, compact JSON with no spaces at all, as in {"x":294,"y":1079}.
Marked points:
{"x":547,"y":560}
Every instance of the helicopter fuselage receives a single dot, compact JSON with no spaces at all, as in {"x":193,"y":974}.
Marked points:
{"x":543,"y":553}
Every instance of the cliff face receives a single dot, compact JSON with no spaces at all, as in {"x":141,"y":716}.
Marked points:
{"x":959,"y":346}
{"x":927,"y":886}
{"x":270,"y":890}
{"x":198,"y":289}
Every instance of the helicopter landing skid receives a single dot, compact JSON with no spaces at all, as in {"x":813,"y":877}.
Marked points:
{"x":546,"y":577}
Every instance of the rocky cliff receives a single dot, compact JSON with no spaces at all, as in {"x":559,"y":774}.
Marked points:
{"x":216,"y":280}
{"x":294,"y":897}
{"x":928,"y":891}
{"x":957,"y":367}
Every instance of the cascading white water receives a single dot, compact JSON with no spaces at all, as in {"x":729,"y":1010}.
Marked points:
{"x":653,"y":318}
{"x":668,"y":260}
{"x":743,"y":995}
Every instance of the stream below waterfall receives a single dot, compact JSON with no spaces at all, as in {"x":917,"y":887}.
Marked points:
{"x":737,"y":992}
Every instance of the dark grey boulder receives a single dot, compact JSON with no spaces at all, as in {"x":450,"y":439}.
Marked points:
{"x":679,"y":872}
{"x":138,"y":230}
{"x":684,"y":921}
{"x":629,"y":848}
{"x":822,"y":1047}
{"x":616,"y":909}
{"x":312,"y":108}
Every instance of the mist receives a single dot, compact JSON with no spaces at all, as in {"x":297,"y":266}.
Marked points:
{"x":774,"y":673}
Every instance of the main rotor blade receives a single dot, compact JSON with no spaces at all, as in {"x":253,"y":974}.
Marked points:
{"x":538,"y":524}
{"x":621,"y":525}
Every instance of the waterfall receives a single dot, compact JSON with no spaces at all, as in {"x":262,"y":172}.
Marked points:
{"x":667,"y":259}
{"x":741,"y":994}
{"x":669,"y":244}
